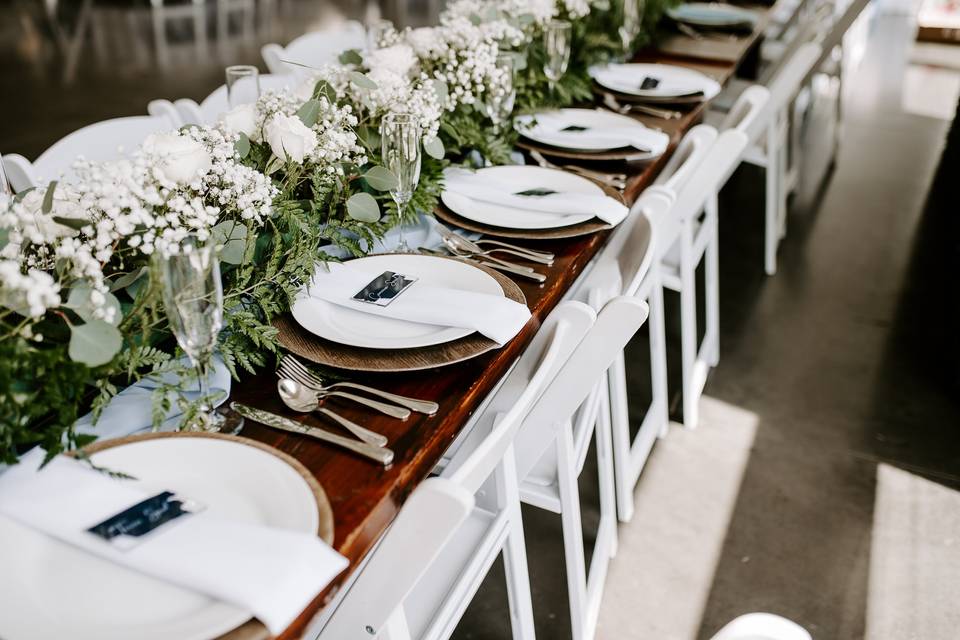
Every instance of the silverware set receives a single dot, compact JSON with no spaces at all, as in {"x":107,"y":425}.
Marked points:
{"x":464,"y":248}
{"x":301,"y":389}
{"x":690,"y":32}
{"x":617,"y":181}
{"x":610,"y":101}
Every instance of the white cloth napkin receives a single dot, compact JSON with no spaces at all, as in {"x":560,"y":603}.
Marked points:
{"x":273,"y":573}
{"x":484,"y":188}
{"x":496,"y":317}
{"x":633,"y":77}
{"x":550,"y":126}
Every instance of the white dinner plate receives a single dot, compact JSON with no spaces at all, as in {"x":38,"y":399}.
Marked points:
{"x":50,"y":590}
{"x":677,"y":81}
{"x":367,"y":330}
{"x":520,"y":178}
{"x":711,"y":14}
{"x":545,"y":132}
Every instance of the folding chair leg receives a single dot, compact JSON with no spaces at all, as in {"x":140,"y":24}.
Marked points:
{"x":572,"y":532}
{"x":515,"y":557}
{"x":771,"y":229}
{"x":620,"y":436}
{"x":658,"y":357}
{"x":688,"y":328}
{"x":608,"y":495}
{"x":712,"y":275}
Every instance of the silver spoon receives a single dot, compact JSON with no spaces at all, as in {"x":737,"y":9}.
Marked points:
{"x":467,"y":245}
{"x":391,"y":410}
{"x":299,"y":398}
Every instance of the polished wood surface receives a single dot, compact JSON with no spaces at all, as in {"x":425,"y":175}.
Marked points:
{"x":365,"y":496}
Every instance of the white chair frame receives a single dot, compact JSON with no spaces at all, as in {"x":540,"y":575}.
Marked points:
{"x":429,"y":564}
{"x":314,"y":49}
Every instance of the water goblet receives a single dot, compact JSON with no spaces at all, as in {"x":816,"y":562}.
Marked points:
{"x":243,"y":84}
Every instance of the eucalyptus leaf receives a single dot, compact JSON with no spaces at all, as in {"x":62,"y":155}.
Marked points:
{"x":47,"y":206}
{"x":309,"y":113}
{"x":232,"y":236}
{"x":326,"y":90}
{"x":273,"y":165}
{"x":351,"y":56}
{"x":242,"y":146}
{"x":362,"y":80}
{"x":363,"y":207}
{"x":94,"y":343}
{"x":440,"y":88}
{"x":74,"y":223}
{"x":4,"y":237}
{"x":434,"y":148}
{"x":127,"y":279}
{"x":381,"y":178}
{"x":80,"y":302}
{"x":22,"y":194}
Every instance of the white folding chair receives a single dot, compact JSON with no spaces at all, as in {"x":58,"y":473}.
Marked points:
{"x":427,"y":567}
{"x":762,"y":626}
{"x":682,"y":164}
{"x":314,"y":49}
{"x":101,"y":141}
{"x":209,"y":111}
{"x":746,"y":111}
{"x":630,"y":265}
{"x":165,"y":12}
{"x":695,"y":211}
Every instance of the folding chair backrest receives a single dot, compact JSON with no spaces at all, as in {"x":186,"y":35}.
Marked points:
{"x":439,"y":505}
{"x":314,"y":49}
{"x":713,"y":172}
{"x":785,"y":85}
{"x":689,"y":154}
{"x":616,"y":323}
{"x":745,"y":111}
{"x":101,"y":141}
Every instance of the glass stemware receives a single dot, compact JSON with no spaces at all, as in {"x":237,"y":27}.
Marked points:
{"x":499,"y":104}
{"x":243,"y":84}
{"x":375,"y":32}
{"x":557,"y":35}
{"x":193,"y":299}
{"x":400,"y":145}
{"x":632,"y":21}
{"x":5,"y":187}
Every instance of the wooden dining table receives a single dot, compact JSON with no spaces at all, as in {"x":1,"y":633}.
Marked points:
{"x":365,"y":497}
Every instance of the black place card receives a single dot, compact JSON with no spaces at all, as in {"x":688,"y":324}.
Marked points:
{"x":649,"y":83}
{"x":384,"y":289}
{"x":128,"y":528}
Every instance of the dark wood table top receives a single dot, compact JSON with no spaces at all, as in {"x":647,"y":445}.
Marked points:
{"x":365,"y":496}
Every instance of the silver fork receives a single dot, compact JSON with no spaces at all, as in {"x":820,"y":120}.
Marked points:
{"x":611,"y":102}
{"x":393,"y":411}
{"x":545,"y":255}
{"x":310,"y":379}
{"x":468,"y":245}
{"x":615,"y":180}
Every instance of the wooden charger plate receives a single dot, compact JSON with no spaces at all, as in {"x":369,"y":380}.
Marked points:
{"x":653,"y":101}
{"x":624,"y":154}
{"x":301,"y":342}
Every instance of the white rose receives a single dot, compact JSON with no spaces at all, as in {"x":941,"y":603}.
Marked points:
{"x":242,"y":119}
{"x":289,"y":138}
{"x":399,"y":59}
{"x":178,"y":158}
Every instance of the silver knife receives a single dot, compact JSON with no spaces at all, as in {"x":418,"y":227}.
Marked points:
{"x":381,"y":454}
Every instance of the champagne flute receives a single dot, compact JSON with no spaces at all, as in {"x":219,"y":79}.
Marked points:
{"x":499,"y":104}
{"x":5,"y":187}
{"x":632,"y":21}
{"x":557,"y":36}
{"x":193,"y":299}
{"x":243,"y":84}
{"x":400,"y":145}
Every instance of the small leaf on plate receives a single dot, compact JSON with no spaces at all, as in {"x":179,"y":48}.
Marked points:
{"x":362,"y":80}
{"x":94,"y":343}
{"x":434,"y":148}
{"x":363,"y":207}
{"x":380,"y":178}
{"x":536,"y":193}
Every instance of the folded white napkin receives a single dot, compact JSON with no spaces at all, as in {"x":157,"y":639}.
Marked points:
{"x":632,"y":76}
{"x":273,"y":573}
{"x":484,"y":188}
{"x":550,"y":127}
{"x":496,"y":317}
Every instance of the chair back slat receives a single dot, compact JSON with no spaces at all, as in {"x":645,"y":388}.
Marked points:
{"x":689,"y":154}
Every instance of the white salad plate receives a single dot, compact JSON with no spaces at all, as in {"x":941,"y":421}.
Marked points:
{"x":711,"y":14}
{"x":520,"y":178}
{"x":369,"y":330}
{"x":546,"y":127}
{"x":50,"y":590}
{"x":675,"y":82}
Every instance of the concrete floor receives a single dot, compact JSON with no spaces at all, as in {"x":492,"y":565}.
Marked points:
{"x":822,"y":482}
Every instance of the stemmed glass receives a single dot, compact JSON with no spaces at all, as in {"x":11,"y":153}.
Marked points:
{"x":193,"y":299}
{"x":632,"y":21}
{"x":375,"y":32}
{"x":499,"y":104}
{"x":557,"y":35}
{"x":400,"y":145}
{"x":4,"y":185}
{"x":243,"y":84}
